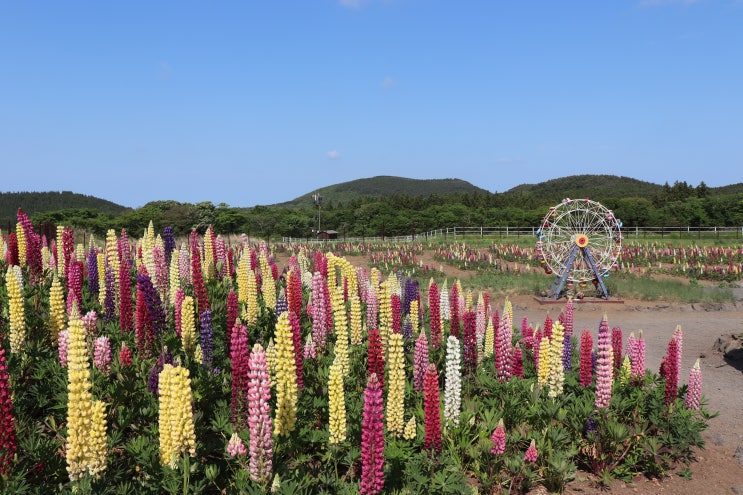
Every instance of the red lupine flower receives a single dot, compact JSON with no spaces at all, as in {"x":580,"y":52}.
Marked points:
{"x":396,"y":313}
{"x":239,"y":354}
{"x":294,"y":292}
{"x":126,"y":321}
{"x":432,"y":410}
{"x":375,"y":361}
{"x":125,"y":356}
{"x":233,"y":311}
{"x":616,"y":346}
{"x":8,"y":443}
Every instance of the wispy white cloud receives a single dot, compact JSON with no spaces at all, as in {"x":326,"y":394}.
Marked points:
{"x":164,"y":71}
{"x":333,"y":155}
{"x":352,"y":4}
{"x":387,"y":82}
{"x":657,"y":3}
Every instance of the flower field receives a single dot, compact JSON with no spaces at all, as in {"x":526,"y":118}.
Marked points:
{"x":147,"y":365}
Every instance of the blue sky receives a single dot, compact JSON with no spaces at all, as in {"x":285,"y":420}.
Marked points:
{"x":258,"y":102}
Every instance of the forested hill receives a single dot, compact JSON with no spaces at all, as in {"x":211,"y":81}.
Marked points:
{"x":590,"y":186}
{"x":37,"y":202}
{"x":384,"y":185}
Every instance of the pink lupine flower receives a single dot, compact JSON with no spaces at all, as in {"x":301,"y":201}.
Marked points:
{"x":236,"y":446}
{"x":531,"y":453}
{"x":102,"y":355}
{"x":498,"y":439}
{"x":420,"y":361}
{"x":604,"y":365}
{"x":694,"y":392}
{"x":62,"y":343}
{"x":259,"y":419}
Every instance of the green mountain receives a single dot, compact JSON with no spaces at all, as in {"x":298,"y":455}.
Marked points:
{"x":38,"y":202}
{"x":384,"y":185}
{"x":590,"y":186}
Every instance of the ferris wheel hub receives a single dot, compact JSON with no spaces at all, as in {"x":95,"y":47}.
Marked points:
{"x":581,"y":240}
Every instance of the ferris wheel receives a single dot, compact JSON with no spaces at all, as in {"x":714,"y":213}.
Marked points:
{"x":579,"y":241}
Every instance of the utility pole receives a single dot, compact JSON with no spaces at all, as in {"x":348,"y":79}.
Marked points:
{"x":317,"y":198}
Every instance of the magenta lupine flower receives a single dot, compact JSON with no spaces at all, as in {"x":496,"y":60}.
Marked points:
{"x":586,"y":362}
{"x":604,"y":365}
{"x":63,"y":341}
{"x":125,"y":355}
{"x":259,"y":419}
{"x":197,"y":277}
{"x":396,"y":315}
{"x":126,"y":305}
{"x":8,"y":444}
{"x":517,"y":362}
{"x":470,"y":342}
{"x":432,"y":410}
{"x":434,"y":312}
{"x":233,"y":311}
{"x":454,"y":324}
{"x":694,"y":392}
{"x":669,"y":370}
{"x":372,"y":439}
{"x":239,"y":356}
{"x":420,"y":361}
{"x":503,"y":348}
{"x":498,"y":439}
{"x":294,"y":292}
{"x":68,"y":249}
{"x":74,"y":286}
{"x":102,"y":355}
{"x":531,"y":453}
{"x":548,"y":327}
{"x":236,"y":446}
{"x":616,"y":347}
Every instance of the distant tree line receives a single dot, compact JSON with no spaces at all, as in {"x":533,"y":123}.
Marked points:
{"x":368,"y":216}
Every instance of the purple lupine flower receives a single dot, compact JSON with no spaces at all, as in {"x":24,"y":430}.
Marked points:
{"x":407,"y":329}
{"x":281,"y":306}
{"x":410,"y":294}
{"x":153,"y":382}
{"x":592,"y":426}
{"x":109,"y":301}
{"x":207,"y":338}
{"x":168,"y":243}
{"x":154,"y":304}
{"x":93,"y":284}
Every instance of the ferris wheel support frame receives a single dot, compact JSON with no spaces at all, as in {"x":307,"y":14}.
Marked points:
{"x":559,"y":282}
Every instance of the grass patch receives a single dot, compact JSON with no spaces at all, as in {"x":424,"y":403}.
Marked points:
{"x":646,"y":288}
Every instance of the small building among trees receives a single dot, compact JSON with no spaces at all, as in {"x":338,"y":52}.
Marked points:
{"x":325,"y":235}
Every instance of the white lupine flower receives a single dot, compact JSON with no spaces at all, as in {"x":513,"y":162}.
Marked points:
{"x":453,"y":381}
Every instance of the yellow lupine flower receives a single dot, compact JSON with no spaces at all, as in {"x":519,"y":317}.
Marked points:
{"x":80,"y":251}
{"x":101,"y":262}
{"x":543,"y":373}
{"x":508,"y":308}
{"x":57,"y":309}
{"x":414,"y":316}
{"x":112,"y":258}
{"x":210,"y":271}
{"x":176,"y":425}
{"x":556,"y":368}
{"x":625,"y":371}
{"x":336,"y":403}
{"x":355,"y":319}
{"x":45,"y":255}
{"x":411,"y":429}
{"x":396,"y":386}
{"x":86,"y":426}
{"x":60,"y":251}
{"x":268,"y":287}
{"x":286,"y":378}
{"x":188,"y":325}
{"x":340,"y":326}
{"x":20,"y":236}
{"x":489,"y":338}
{"x":385,"y":315}
{"x":251,"y":306}
{"x":174,"y":274}
{"x":243,"y":272}
{"x":17,"y":314}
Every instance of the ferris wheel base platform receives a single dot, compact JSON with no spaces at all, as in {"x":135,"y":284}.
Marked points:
{"x":585,"y":300}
